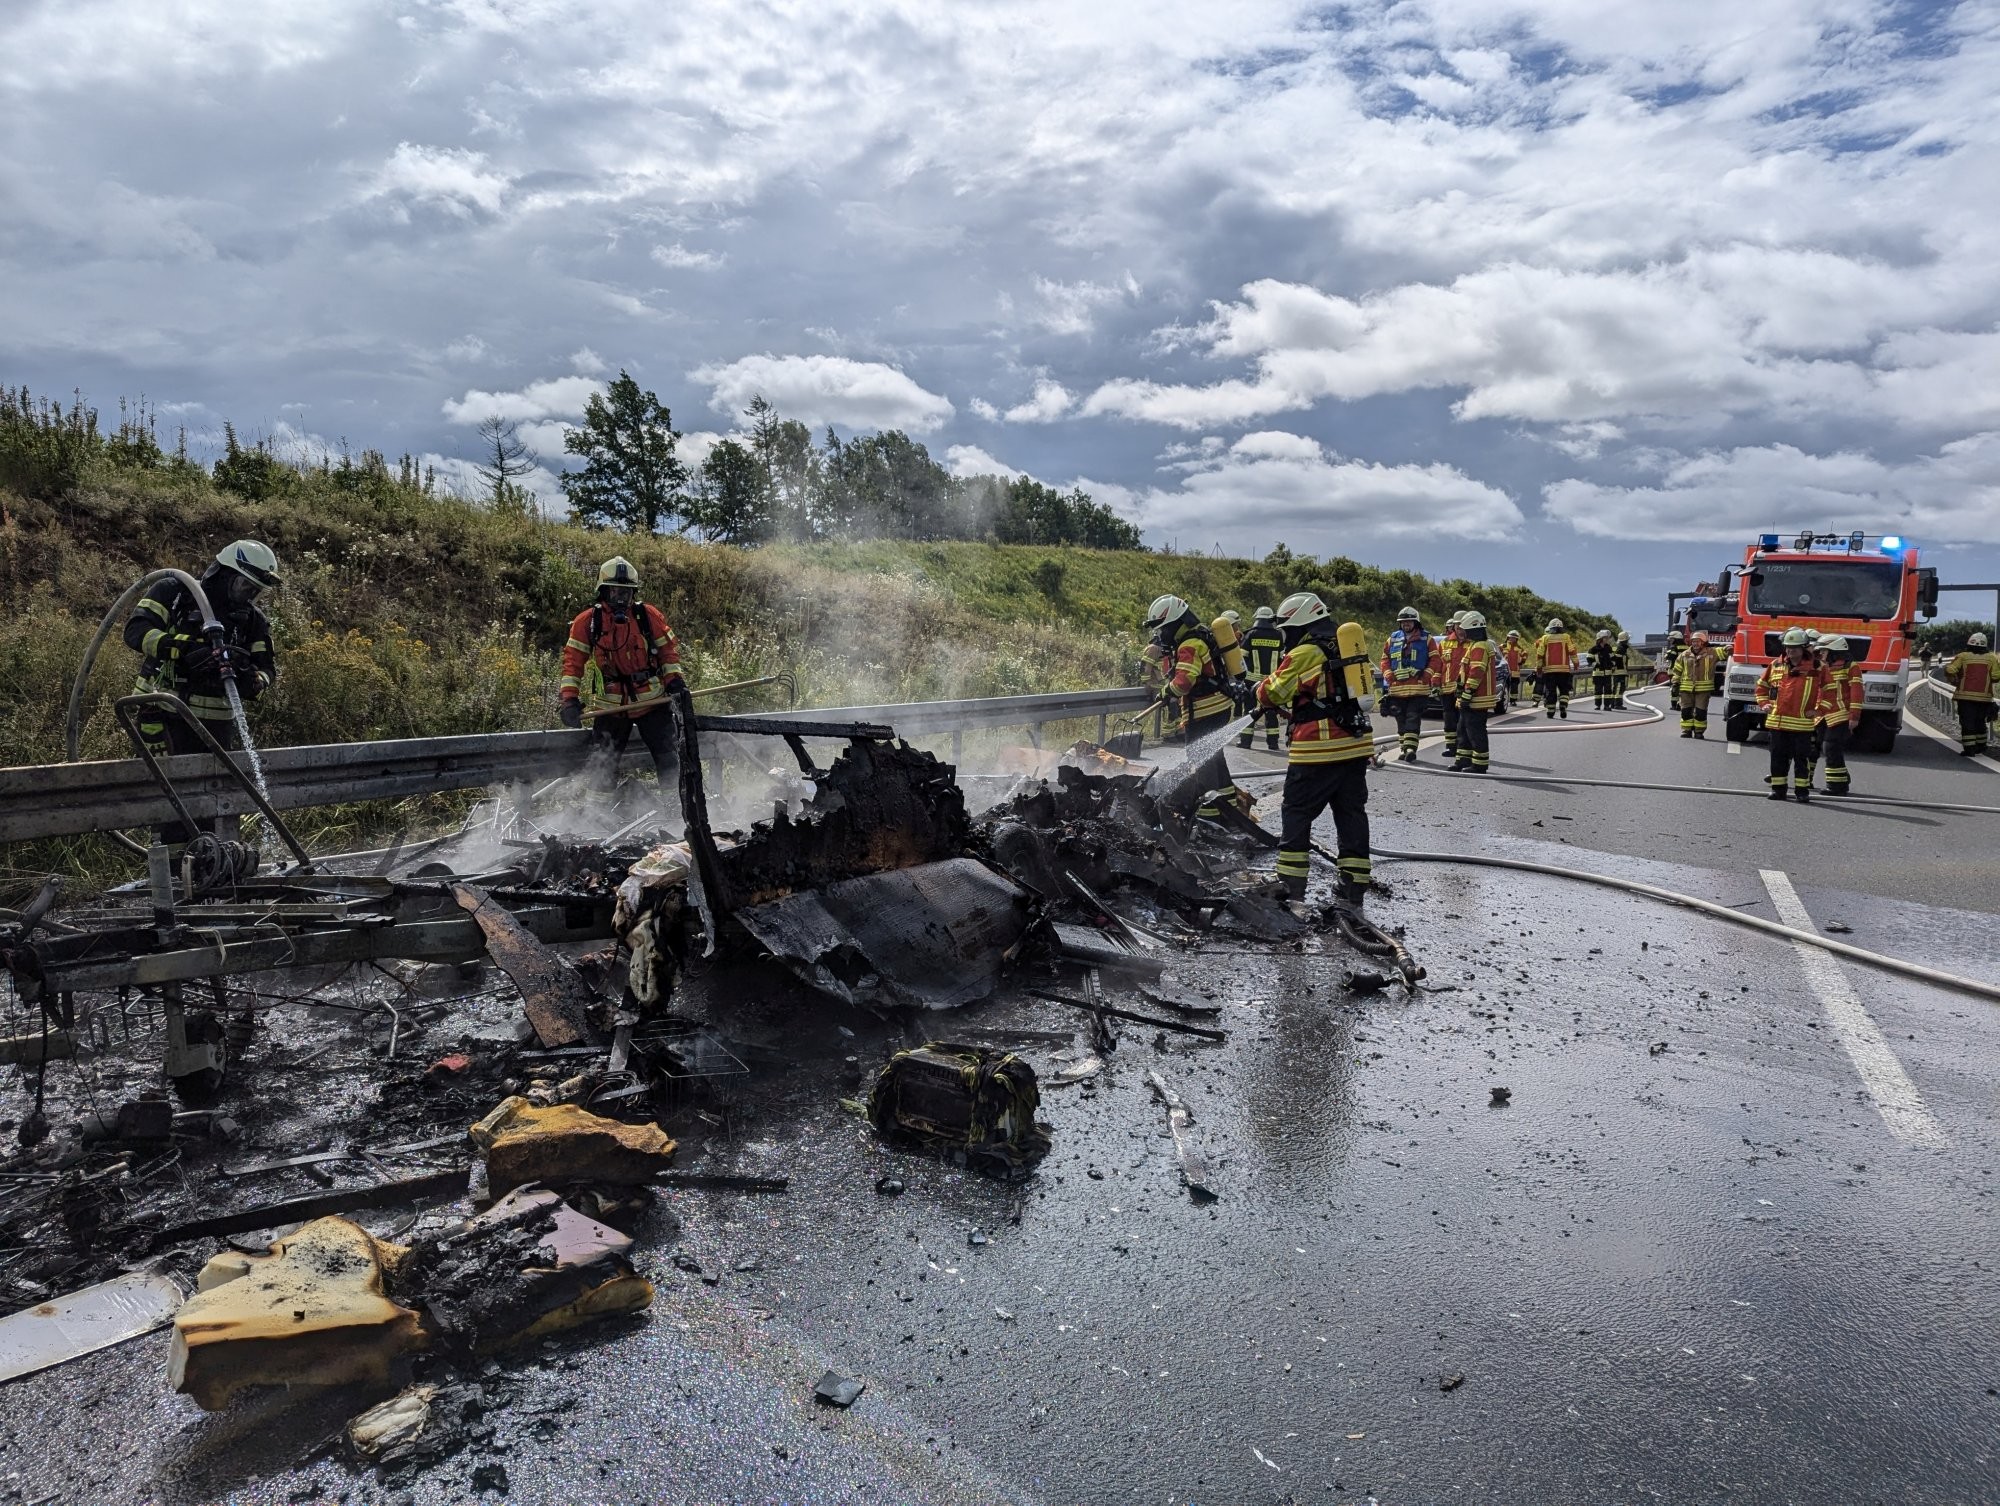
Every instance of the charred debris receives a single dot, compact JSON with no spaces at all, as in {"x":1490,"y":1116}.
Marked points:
{"x":284,"y":1095}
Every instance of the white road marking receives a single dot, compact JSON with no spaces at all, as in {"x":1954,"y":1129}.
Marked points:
{"x":1896,"y":1097}
{"x":1736,"y":748}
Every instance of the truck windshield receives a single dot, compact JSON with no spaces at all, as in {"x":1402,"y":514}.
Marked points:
{"x":1716,"y":621}
{"x":1871,"y":589}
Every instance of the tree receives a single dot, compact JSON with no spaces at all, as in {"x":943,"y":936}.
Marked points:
{"x":731,"y":497}
{"x":631,"y":478}
{"x":507,"y":456}
{"x":795,"y":501}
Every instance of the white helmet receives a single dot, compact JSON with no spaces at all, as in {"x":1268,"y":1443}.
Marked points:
{"x":1604,"y":632}
{"x":1555,"y":625}
{"x":1165,"y":609}
{"x":1794,"y":638}
{"x":1233,"y":617}
{"x":1833,"y":645}
{"x":1812,"y":637}
{"x":1265,"y":614}
{"x":1301,"y":609}
{"x":253,"y":561}
{"x":1408,"y":614}
{"x":1471,"y":620}
{"x":1513,"y":632}
{"x":1977,"y":640}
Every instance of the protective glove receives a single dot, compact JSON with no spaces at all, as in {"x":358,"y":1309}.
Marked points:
{"x":200,"y":661}
{"x":570,"y":712}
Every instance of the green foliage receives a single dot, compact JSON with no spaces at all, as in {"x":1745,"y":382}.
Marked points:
{"x":44,"y":449}
{"x":1943,"y":639}
{"x":631,"y":478}
{"x":732,"y":498}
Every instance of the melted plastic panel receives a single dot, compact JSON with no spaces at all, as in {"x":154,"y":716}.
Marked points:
{"x":933,"y":936}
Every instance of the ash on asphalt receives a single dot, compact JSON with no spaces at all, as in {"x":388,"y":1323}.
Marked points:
{"x":1704,"y":1273}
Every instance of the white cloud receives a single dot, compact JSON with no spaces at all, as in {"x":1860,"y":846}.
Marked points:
{"x":586,"y":362}
{"x":468,"y":348}
{"x":558,"y":397}
{"x":1049,"y":402}
{"x":1952,"y":496}
{"x":678,"y":258}
{"x":980,"y":408}
{"x":1070,"y":308}
{"x":970,"y":460}
{"x":1281,"y":485}
{"x":826,"y":390}
{"x":452,"y":179}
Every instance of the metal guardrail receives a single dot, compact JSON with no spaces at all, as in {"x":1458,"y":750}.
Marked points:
{"x":59,"y":800}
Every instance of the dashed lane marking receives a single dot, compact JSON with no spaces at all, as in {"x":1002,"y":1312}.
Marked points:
{"x":1896,"y":1097}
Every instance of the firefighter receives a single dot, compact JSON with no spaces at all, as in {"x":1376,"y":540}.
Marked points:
{"x":1195,"y":678}
{"x":177,"y":653}
{"x":1444,"y":677}
{"x":1627,"y":664}
{"x":1670,"y":660}
{"x":1263,"y":646}
{"x":1331,"y":747}
{"x":1554,"y":660}
{"x":1694,"y":684}
{"x":1600,"y":670}
{"x":1478,"y":693}
{"x":1792,"y":694}
{"x":1843,"y":715}
{"x":621,"y":649}
{"x":1407,"y":659}
{"x":1514,"y":656}
{"x":1974,"y":672}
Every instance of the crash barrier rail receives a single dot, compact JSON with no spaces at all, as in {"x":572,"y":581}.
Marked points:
{"x":61,"y":800}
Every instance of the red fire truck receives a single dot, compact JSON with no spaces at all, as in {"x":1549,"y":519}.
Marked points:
{"x":1869,"y":590}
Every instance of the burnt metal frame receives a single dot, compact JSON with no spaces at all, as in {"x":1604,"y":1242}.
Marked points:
{"x":127,"y":708}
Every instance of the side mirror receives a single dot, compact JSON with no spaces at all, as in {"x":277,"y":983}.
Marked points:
{"x":1927,"y":591}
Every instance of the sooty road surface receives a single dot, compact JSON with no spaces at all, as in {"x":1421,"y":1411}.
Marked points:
{"x":1732,"y":1238}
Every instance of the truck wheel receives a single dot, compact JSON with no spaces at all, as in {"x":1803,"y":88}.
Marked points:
{"x":1736,"y":721}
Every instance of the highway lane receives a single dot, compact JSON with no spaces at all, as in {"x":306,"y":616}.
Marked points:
{"x":1691,"y":1259}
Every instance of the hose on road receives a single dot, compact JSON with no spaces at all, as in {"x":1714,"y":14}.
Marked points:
{"x":1881,"y":960}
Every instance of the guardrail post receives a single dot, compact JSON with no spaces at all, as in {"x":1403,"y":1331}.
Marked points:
{"x":1035,"y":734}
{"x":1103,"y":727}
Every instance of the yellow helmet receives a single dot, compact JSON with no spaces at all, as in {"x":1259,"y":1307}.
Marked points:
{"x":617,"y":571}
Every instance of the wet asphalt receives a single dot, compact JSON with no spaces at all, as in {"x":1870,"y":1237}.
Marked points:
{"x":1689,"y":1260}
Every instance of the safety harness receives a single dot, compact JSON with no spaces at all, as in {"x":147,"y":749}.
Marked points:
{"x":654,"y":662}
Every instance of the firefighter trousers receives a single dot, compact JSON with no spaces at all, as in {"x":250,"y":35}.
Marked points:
{"x":1556,"y":687}
{"x":1973,"y":719}
{"x":1408,"y":710}
{"x":1694,"y":711}
{"x":1309,"y":789}
{"x":1451,"y":729}
{"x":1472,"y":740}
{"x":1791,"y":752}
{"x":1834,"y":745}
{"x":1605,"y":690}
{"x":656,"y":730}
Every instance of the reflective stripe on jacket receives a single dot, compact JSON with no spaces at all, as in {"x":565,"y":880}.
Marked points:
{"x":1193,"y":665}
{"x":1478,"y":677}
{"x":1793,"y":700}
{"x":1973,"y":676}
{"x":1844,"y":691}
{"x":1450,"y":649}
{"x":1555,"y":653}
{"x":1406,"y":663}
{"x":638,"y":658}
{"x":1695,"y":672}
{"x":1299,"y":680}
{"x":1263,"y":647}
{"x":166,"y":625}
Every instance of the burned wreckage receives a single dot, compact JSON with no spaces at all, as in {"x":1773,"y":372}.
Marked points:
{"x":869,"y":880}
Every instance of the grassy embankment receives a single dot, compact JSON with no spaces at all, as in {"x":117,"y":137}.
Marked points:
{"x":411,"y":615}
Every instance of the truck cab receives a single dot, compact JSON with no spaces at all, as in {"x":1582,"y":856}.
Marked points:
{"x":1868,"y":590}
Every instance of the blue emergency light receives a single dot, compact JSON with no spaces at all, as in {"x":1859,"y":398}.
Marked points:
{"x":1891,"y":542}
{"x":1767,"y":541}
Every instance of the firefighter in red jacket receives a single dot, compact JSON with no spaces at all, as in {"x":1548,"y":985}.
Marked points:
{"x":1793,"y":695}
{"x":624,"y":649}
{"x":1843,"y":715}
{"x":1444,"y":676}
{"x":1479,"y":671}
{"x":1974,"y":673}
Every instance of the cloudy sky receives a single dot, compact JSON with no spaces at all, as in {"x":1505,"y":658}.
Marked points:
{"x":1576,"y":293}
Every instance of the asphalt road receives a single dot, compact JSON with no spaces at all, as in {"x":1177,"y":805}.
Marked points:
{"x":1733,"y":1237}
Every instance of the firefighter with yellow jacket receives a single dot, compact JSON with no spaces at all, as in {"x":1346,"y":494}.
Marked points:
{"x":1974,"y":673}
{"x":1480,"y":668}
{"x":1694,"y":682}
{"x":1196,"y":679}
{"x":1554,"y":658}
{"x":1321,"y":685}
{"x":1843,"y":712}
{"x":1444,"y":678}
{"x":621,"y":650}
{"x":1794,"y":697}
{"x":1408,"y":655}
